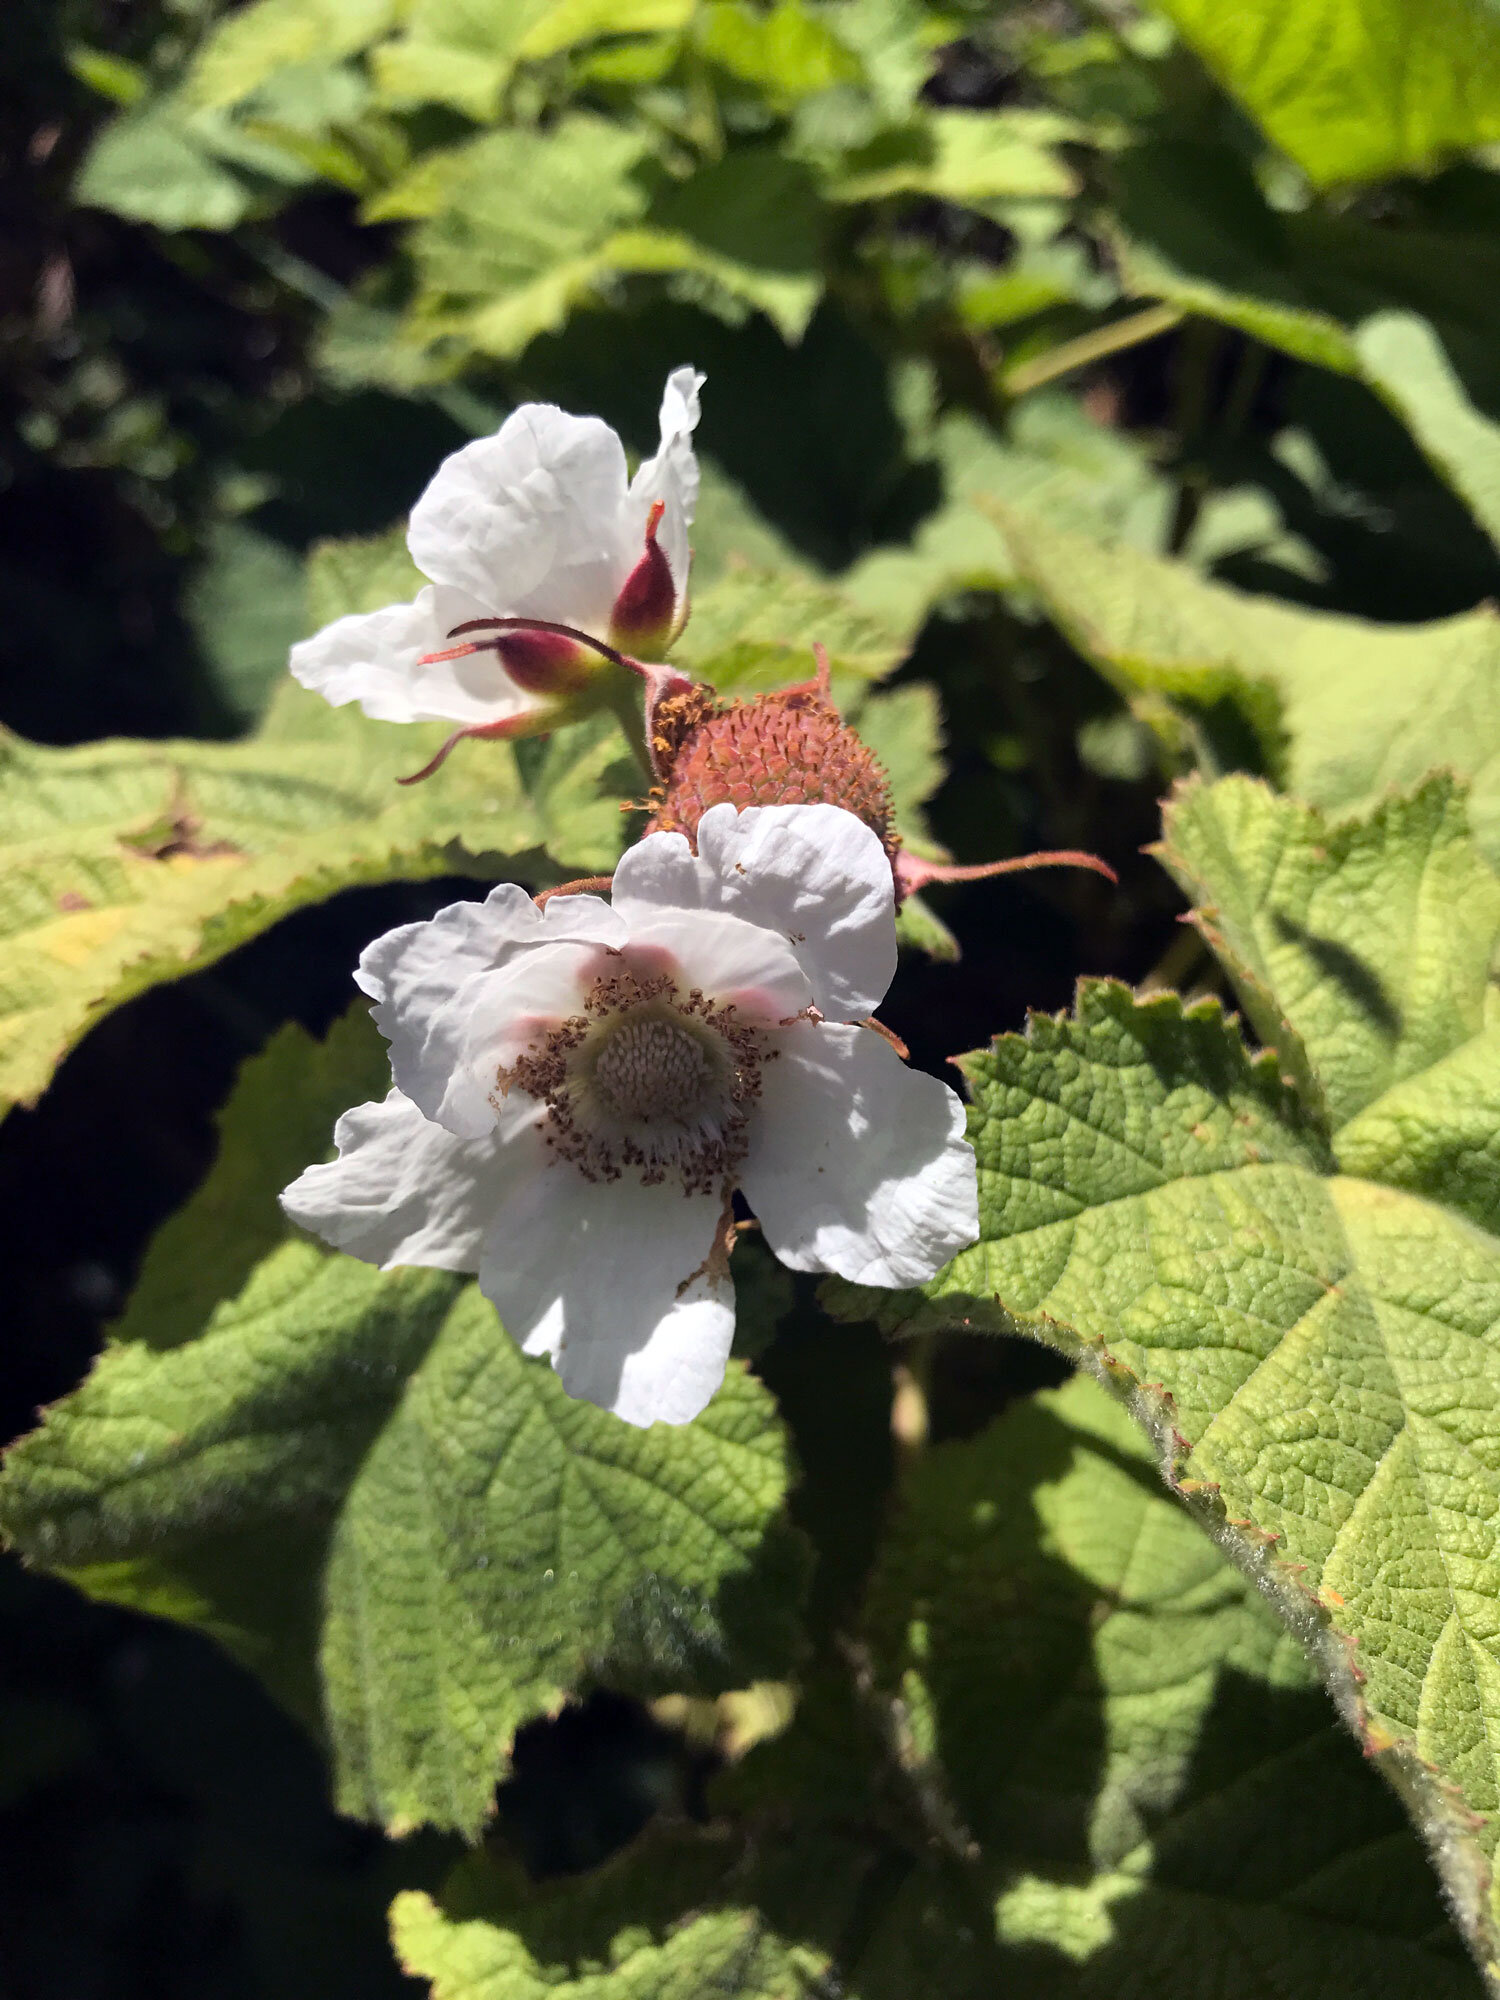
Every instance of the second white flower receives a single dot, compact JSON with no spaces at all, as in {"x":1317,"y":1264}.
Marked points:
{"x":580,"y":1089}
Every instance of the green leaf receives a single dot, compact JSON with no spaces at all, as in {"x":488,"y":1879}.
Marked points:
{"x":246,"y":608}
{"x":156,"y":164}
{"x":753,"y":221}
{"x":463,"y":52}
{"x":1052,"y":459}
{"x":122,"y":82}
{"x":1377,"y":305}
{"x":754,"y":629}
{"x":251,"y":46}
{"x":1361,"y":951}
{"x":786,"y":51}
{"x":280,"y":1116}
{"x":360,"y":573}
{"x":131,"y":863}
{"x":904,"y":729}
{"x":966,"y":157}
{"x":1296,"y":1289}
{"x":636,"y":1930}
{"x":804,"y":1894}
{"x":1356,"y":89}
{"x":566,"y":24}
{"x":364,"y":1464}
{"x":1160,"y":1792}
{"x":1086,"y":1737}
{"x":495,"y":271}
{"x":1341,"y":709}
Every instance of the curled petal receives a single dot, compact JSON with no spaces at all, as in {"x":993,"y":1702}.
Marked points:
{"x":671,"y":477}
{"x":621,"y":1285}
{"x":814,"y":875}
{"x":381,"y":659}
{"x":531,"y":521}
{"x":454,"y":994}
{"x":404,"y":1191}
{"x":858,"y":1164}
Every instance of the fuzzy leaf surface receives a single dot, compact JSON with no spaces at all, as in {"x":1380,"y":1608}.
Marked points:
{"x":130,"y":863}
{"x":1135,"y":1741}
{"x":356,"y":1482}
{"x":1363,"y":707}
{"x":1303,"y":1310}
{"x":1356,"y":89}
{"x":1151,"y":1788}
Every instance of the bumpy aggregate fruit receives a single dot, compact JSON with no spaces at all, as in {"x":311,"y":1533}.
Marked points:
{"x":789,"y":748}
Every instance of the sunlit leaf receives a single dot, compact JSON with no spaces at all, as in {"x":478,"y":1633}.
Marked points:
{"x":1362,"y":706}
{"x":1301,"y":1311}
{"x":1356,"y":89}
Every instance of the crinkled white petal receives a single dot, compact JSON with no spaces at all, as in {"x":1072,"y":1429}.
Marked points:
{"x":533,"y":521}
{"x":612,"y":1279}
{"x":724,"y":958}
{"x":672,"y":475}
{"x":858,"y":1164}
{"x":459,"y":994}
{"x":814,"y":875}
{"x":404,"y":1191}
{"x":376,"y":658}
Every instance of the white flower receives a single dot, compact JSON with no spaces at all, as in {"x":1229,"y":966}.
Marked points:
{"x":579,"y":1090}
{"x":538,"y":521}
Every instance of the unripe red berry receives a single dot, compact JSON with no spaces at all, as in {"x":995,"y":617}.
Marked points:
{"x":792,"y":748}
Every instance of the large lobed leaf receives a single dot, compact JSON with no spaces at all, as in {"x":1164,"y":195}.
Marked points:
{"x":1296,"y":1286}
{"x":1406,"y":311}
{"x":1356,"y":89}
{"x":130,"y":863}
{"x":1342,"y":708}
{"x":1136,"y":1743}
{"x":1090,"y":1762}
{"x":357,"y":1483}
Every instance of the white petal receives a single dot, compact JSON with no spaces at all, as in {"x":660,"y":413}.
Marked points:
{"x":672,"y":475}
{"x":815,"y":875}
{"x":724,"y":958}
{"x":612,"y":1279}
{"x":375,"y":658}
{"x":858,"y":1164}
{"x":531,"y":521}
{"x":404,"y":1191}
{"x":459,"y":994}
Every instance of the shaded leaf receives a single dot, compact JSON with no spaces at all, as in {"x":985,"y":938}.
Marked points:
{"x":1163,"y":1795}
{"x":1313,"y":1351}
{"x":965,"y":157}
{"x":246,"y":608}
{"x":1377,"y":305}
{"x":364,"y":1464}
{"x":1362,"y":706}
{"x":754,"y":629}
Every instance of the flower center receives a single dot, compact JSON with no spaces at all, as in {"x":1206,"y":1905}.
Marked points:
{"x":650,"y":1067}
{"x":647,"y":1078}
